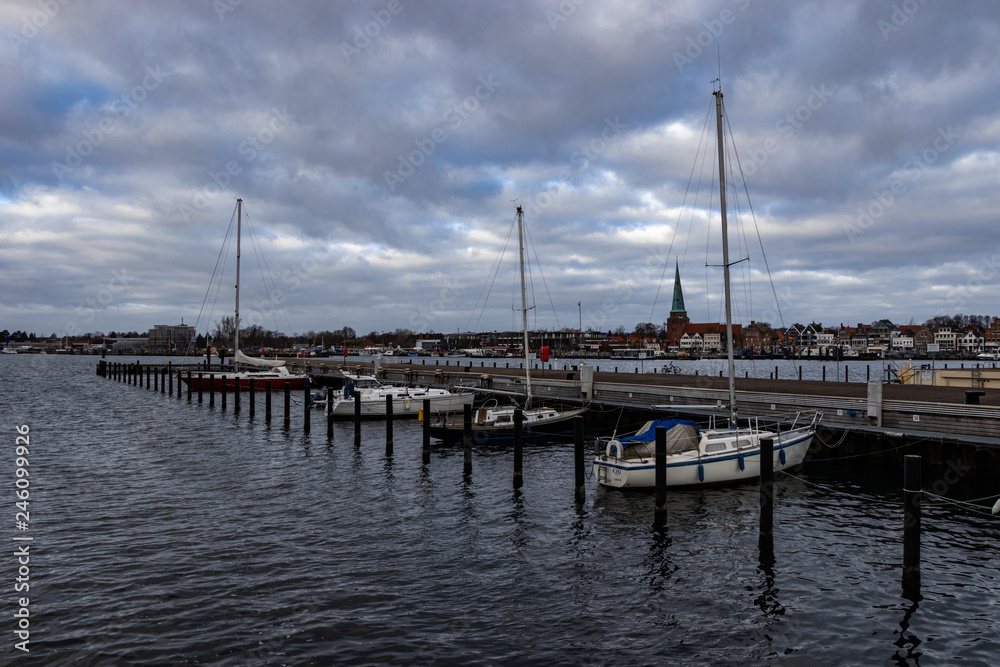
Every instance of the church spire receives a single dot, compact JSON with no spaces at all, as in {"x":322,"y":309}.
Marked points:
{"x":678,"y":306}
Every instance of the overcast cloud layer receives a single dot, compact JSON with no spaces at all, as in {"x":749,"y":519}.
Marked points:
{"x":378,"y":148}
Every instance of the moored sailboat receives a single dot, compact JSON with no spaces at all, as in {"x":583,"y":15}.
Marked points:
{"x":713,"y":456}
{"x":246,"y":368}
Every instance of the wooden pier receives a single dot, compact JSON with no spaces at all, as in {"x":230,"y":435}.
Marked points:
{"x":945,"y":414}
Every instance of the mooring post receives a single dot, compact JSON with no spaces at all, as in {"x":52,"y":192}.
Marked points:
{"x":225,"y":390}
{"x":180,"y":384}
{"x":253,"y":397}
{"x":518,"y":448}
{"x":578,"y":467}
{"x":766,"y":530}
{"x":388,"y":425}
{"x":824,"y":373}
{"x":211,"y":389}
{"x":661,"y":473}
{"x":306,"y":404}
{"x":911,"y":521}
{"x":357,"y":418}
{"x":237,"y":390}
{"x":288,"y":404}
{"x":426,"y":444}
{"x":267,"y":401}
{"x":775,"y":372}
{"x":148,"y":369}
{"x":156,"y":379}
{"x":201,"y":388}
{"x":329,"y":412}
{"x":846,"y":372}
{"x":467,"y":437}
{"x":189,"y":385}
{"x":800,"y":373}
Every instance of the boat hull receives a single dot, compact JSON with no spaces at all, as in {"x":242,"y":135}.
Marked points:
{"x":557,"y":428}
{"x":686,"y":470}
{"x":373,"y":406}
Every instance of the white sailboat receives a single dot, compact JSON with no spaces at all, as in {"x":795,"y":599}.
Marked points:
{"x":406,"y":401}
{"x":259,"y":370}
{"x":705,"y":457}
{"x":496,"y":424}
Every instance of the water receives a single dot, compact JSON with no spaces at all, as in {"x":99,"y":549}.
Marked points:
{"x":168,"y":532}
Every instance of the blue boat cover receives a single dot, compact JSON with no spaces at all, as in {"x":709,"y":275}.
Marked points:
{"x":648,"y":432}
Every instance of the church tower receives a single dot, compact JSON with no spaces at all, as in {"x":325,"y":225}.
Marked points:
{"x":678,"y":319}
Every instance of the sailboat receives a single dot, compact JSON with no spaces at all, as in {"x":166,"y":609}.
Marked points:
{"x":493,"y":423}
{"x":699,"y":457}
{"x":259,"y":370}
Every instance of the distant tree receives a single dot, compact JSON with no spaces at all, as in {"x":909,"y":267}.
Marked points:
{"x":225,"y":330}
{"x":645,"y":329}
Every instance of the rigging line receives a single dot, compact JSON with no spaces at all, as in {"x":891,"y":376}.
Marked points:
{"x":534,"y":251}
{"x":760,"y":241}
{"x":259,"y":254}
{"x":680,"y":212}
{"x":951,"y":501}
{"x":215,"y":272}
{"x":491,"y":277}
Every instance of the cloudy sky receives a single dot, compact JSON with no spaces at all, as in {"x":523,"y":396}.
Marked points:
{"x":379,"y":147}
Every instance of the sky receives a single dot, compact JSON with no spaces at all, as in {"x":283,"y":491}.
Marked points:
{"x":381,"y":148}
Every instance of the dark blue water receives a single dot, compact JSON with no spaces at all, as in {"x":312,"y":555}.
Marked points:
{"x":168,"y":532}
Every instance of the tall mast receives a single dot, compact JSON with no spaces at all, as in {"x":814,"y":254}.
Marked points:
{"x":524,"y":306}
{"x":239,"y":223}
{"x":725,"y":262}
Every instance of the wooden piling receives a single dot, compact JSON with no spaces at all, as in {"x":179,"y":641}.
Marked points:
{"x":518,"y":448}
{"x":180,"y":384}
{"x":288,"y":404}
{"x":306,"y":405}
{"x":661,"y":473}
{"x":766,"y":530}
{"x":267,"y":401}
{"x":201,"y":388}
{"x":148,"y":370}
{"x":467,"y":437}
{"x":911,"y":522}
{"x":189,"y":385}
{"x":253,"y":397}
{"x":578,"y":466}
{"x":211,"y":389}
{"x":156,"y":379}
{"x":329,"y":412}
{"x":426,"y":444}
{"x":236,"y":395}
{"x":357,"y":418}
{"x":225,"y":392}
{"x":388,"y":425}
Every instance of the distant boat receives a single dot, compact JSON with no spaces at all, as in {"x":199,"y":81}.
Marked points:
{"x":989,"y":356}
{"x":714,"y":456}
{"x":406,"y":401}
{"x":259,"y":370}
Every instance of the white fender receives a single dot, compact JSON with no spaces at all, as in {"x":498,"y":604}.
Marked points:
{"x":617,"y":447}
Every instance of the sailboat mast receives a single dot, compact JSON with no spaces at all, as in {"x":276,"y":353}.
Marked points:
{"x":239,"y":224}
{"x":725,"y":262}
{"x":524,"y":306}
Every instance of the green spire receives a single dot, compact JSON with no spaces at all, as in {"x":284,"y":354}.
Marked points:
{"x":678,"y":306}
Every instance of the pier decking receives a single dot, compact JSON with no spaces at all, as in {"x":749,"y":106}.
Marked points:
{"x":936,"y":413}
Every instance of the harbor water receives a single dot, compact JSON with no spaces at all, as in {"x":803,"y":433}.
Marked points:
{"x":164,"y":531}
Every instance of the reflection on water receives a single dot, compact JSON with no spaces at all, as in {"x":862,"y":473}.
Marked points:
{"x":170,"y":532}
